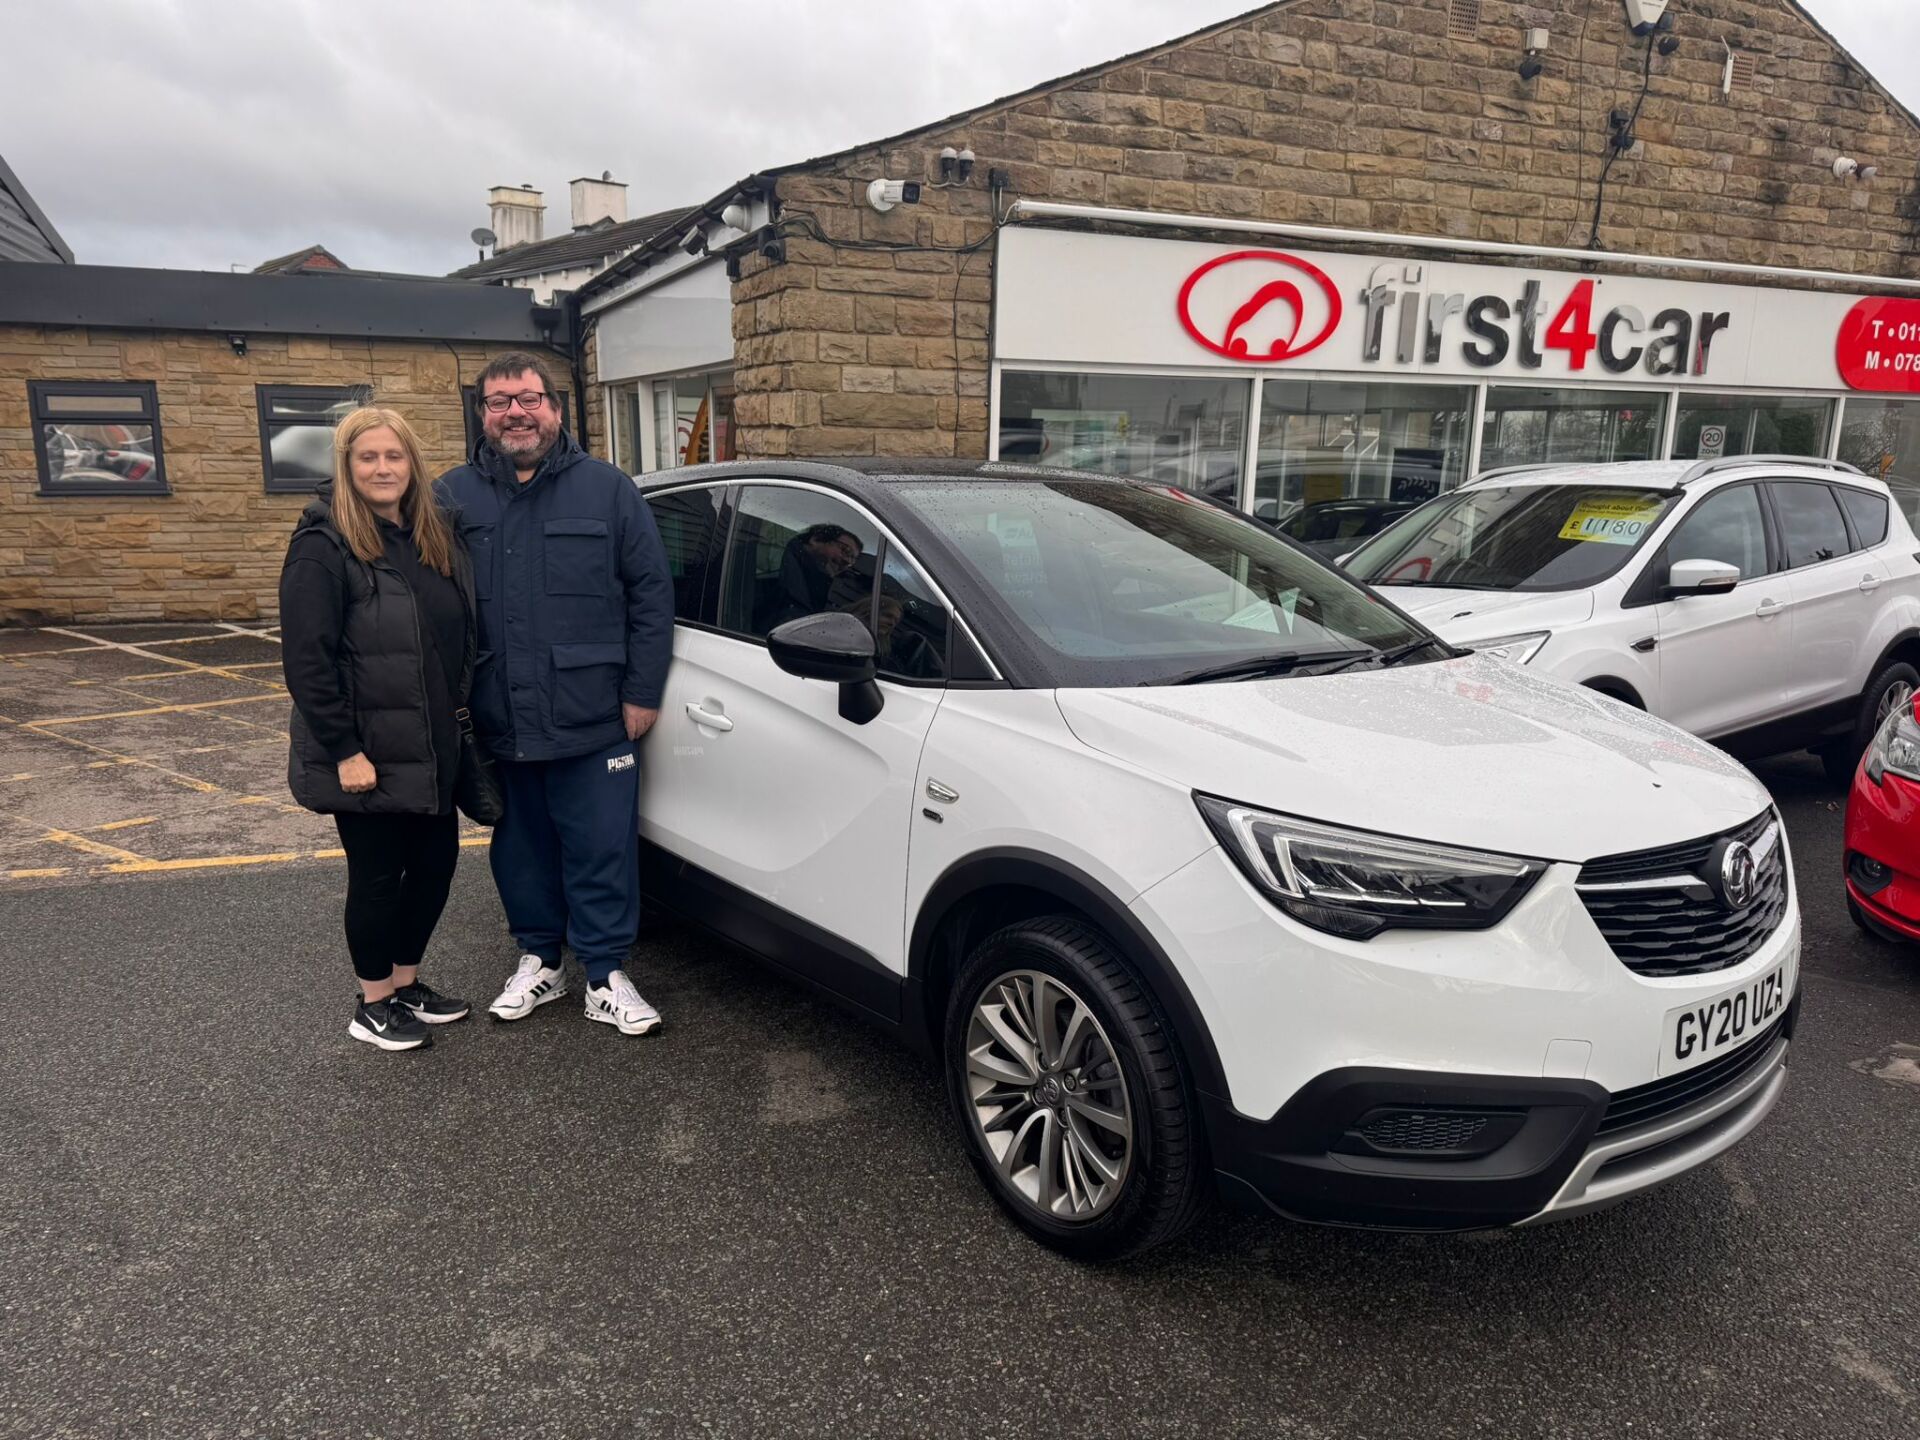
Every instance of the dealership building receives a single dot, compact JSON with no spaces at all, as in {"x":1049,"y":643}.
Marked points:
{"x":1331,"y":248}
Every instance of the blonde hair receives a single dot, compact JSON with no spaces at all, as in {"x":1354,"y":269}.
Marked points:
{"x":418,"y":509}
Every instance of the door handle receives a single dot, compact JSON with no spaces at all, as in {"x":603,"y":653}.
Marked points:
{"x":1768,"y":607}
{"x":1869,"y":584}
{"x":713,"y":720}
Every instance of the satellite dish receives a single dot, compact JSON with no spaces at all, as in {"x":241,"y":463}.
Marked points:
{"x":484,"y":237}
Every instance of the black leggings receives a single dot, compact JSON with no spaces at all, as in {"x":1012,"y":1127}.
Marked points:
{"x":399,"y":868}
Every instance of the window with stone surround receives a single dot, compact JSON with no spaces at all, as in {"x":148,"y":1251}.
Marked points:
{"x":296,"y":432}
{"x":97,"y":437}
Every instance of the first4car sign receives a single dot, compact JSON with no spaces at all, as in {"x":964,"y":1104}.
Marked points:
{"x":1065,"y":297}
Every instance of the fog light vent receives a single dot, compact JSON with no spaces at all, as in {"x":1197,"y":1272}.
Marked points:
{"x":1869,"y":874}
{"x":1422,"y":1130}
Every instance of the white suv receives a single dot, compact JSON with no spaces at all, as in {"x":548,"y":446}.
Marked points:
{"x":1196,"y":865}
{"x":1764,"y":602}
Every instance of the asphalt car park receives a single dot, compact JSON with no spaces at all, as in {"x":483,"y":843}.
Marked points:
{"x":221,"y":1217}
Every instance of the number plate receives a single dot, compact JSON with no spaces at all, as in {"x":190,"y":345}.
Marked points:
{"x":1710,"y":1028}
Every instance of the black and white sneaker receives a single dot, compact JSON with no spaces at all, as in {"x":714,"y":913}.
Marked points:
{"x":389,"y":1025}
{"x":618,"y":1004}
{"x":429,"y":1006}
{"x":533,"y":984}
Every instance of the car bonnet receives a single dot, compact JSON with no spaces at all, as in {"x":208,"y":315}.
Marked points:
{"x":1472,"y":751}
{"x":1469,"y":615}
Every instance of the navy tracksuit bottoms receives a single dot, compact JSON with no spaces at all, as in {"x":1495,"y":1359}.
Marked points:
{"x":566,"y":857}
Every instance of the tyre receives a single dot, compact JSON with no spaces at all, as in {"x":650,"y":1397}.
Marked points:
{"x":1891,"y":687}
{"x":1070,"y":1093}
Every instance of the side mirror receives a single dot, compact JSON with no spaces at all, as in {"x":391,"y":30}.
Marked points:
{"x":1700,"y":577}
{"x":835,"y":647}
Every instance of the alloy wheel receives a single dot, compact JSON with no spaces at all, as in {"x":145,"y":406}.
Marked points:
{"x":1897,"y":696}
{"x":1048,"y":1097}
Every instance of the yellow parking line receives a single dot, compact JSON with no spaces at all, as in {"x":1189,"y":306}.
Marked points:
{"x":157,"y":710}
{"x":135,"y":865}
{"x":90,"y":847}
{"x":127,"y":824}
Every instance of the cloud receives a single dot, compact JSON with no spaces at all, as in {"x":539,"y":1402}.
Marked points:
{"x":217,"y":132}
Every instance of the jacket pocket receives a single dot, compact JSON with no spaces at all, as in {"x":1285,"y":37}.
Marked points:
{"x":479,"y":540}
{"x":577,"y":557}
{"x":586,"y":682}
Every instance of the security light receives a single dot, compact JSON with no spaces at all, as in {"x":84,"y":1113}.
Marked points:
{"x":1644,"y":15}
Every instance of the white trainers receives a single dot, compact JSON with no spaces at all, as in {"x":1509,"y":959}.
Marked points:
{"x":532,"y":985}
{"x":618,"y":1004}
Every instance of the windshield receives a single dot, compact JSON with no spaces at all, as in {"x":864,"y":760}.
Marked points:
{"x":1120,"y":584}
{"x":1521,"y":537}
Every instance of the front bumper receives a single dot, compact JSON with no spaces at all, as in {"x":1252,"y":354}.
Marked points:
{"x":1883,"y":852}
{"x":1534,"y":1027}
{"x":1570,"y":1147}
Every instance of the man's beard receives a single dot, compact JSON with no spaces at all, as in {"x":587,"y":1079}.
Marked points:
{"x":528,"y":446}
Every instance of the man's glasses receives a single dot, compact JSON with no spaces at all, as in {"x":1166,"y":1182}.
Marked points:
{"x":529,"y":401}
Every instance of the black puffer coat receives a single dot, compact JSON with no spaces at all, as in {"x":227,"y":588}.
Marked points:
{"x":383,"y":662}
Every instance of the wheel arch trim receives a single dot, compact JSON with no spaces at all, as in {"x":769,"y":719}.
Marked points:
{"x":1008,"y":867}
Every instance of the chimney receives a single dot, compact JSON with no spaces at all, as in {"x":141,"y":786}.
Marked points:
{"x":519,"y":215}
{"x":597,"y":200}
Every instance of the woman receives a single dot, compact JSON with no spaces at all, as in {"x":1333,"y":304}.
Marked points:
{"x":377,"y":639}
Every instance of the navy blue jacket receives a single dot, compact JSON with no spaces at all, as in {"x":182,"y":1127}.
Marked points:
{"x":575,"y":602}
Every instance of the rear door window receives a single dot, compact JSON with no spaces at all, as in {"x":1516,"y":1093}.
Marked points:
{"x":1810,"y":523}
{"x":687,"y":520}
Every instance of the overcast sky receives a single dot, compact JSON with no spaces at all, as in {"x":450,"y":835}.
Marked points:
{"x":205,"y":133}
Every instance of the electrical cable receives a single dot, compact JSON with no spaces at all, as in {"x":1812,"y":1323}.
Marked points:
{"x":1625,"y":133}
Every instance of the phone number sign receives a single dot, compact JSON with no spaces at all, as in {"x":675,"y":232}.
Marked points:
{"x":1879,"y":346}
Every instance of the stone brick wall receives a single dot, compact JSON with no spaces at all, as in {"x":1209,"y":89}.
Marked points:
{"x":211,"y":549}
{"x":1354,"y":113}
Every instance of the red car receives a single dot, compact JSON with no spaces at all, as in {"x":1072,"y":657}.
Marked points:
{"x":1883,"y":829}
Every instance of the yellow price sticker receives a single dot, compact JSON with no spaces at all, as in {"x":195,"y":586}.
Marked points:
{"x":1612,"y":519}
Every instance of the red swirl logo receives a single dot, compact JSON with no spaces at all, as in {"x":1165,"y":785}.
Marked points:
{"x":1239,"y":306}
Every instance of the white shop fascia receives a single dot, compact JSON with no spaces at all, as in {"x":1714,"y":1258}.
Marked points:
{"x":1265,"y":311}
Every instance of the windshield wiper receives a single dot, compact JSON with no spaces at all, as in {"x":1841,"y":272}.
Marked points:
{"x":1388,"y":657}
{"x":1277,"y":664}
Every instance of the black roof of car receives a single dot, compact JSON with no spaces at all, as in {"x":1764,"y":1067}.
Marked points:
{"x":864,"y":471}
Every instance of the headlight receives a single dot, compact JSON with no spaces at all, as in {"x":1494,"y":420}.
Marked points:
{"x":1352,"y":883}
{"x":1517,"y":648}
{"x":1896,"y":748}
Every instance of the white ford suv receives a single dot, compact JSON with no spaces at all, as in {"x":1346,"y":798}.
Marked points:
{"x":1764,"y":602}
{"x":1197,"y":865}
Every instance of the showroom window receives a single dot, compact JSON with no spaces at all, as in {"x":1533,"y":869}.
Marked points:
{"x":1180,"y":430}
{"x":1532,"y":425}
{"x":1327,"y":440}
{"x":296,"y":432}
{"x":1882,"y":437}
{"x":1713,"y":425}
{"x":97,"y":437}
{"x":692,"y":420}
{"x":623,"y":427}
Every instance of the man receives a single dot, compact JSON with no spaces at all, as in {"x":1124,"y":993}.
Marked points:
{"x":576,"y":631}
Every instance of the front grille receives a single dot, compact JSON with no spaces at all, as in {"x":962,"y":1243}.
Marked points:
{"x":1423,"y":1130}
{"x":1659,"y":929}
{"x":1644,"y":1104}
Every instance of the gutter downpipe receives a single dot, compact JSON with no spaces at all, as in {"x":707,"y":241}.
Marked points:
{"x":1050,"y":210}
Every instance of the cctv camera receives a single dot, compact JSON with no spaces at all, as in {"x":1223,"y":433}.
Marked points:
{"x":1530,"y":67}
